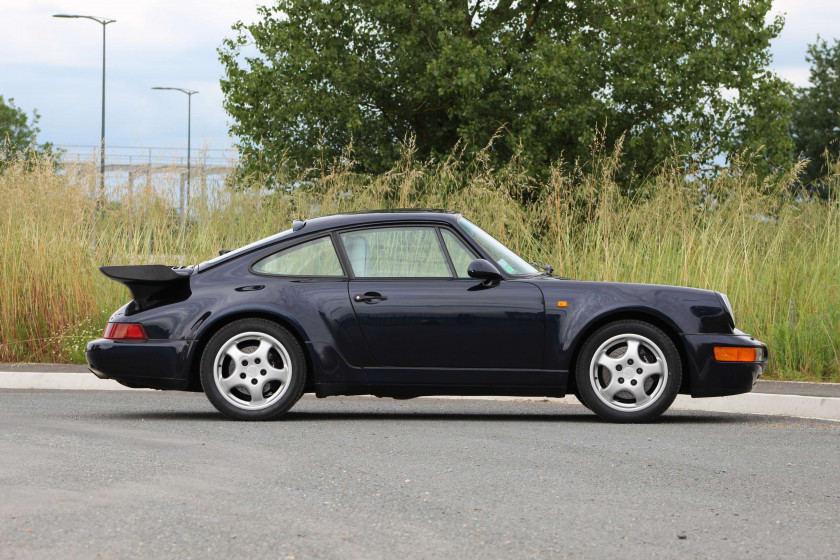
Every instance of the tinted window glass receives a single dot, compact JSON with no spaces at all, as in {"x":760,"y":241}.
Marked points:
{"x":313,"y":258}
{"x":459,"y":253}
{"x":395,"y":253}
{"x":504,"y":257}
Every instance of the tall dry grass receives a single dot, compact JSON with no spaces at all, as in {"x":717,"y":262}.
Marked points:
{"x":776,"y":255}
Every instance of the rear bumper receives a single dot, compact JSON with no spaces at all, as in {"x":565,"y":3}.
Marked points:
{"x":153,"y":364}
{"x":711,"y":378}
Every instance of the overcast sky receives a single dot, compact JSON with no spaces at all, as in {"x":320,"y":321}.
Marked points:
{"x":55,"y":65}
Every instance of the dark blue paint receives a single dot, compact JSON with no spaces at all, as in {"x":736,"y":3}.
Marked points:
{"x":426,"y":336}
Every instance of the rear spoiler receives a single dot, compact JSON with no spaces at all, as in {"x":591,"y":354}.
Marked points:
{"x":151,"y":284}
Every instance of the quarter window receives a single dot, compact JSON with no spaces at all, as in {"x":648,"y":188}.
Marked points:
{"x":458,"y":252}
{"x":313,"y":258}
{"x":412,"y":252}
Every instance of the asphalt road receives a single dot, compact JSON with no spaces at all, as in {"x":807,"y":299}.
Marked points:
{"x":162,"y":475}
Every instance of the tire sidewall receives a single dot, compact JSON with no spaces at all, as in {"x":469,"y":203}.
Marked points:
{"x":208,"y":366}
{"x":673,"y":377}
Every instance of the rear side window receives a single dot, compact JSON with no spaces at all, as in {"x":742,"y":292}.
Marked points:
{"x":313,"y":258}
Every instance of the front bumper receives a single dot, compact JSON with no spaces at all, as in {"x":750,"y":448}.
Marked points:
{"x":711,"y":378}
{"x":153,"y":364}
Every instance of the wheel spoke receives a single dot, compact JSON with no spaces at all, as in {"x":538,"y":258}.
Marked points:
{"x":235,"y":354}
{"x":607,"y":362}
{"x":639,"y":394}
{"x":276,"y":374}
{"x":256,"y":392}
{"x":612,"y":389}
{"x":632,"y":352}
{"x":230,"y":382}
{"x":261,"y":351}
{"x":652,"y":370}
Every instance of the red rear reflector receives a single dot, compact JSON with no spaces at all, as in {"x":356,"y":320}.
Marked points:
{"x":125,"y":331}
{"x":735,"y":354}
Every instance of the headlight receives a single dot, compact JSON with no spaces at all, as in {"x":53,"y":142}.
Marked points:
{"x":728,"y":306}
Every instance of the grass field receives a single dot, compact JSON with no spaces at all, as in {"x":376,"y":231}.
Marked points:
{"x":777,"y":256}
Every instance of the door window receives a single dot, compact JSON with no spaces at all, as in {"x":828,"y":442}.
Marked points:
{"x":313,"y":258}
{"x":406,"y":252}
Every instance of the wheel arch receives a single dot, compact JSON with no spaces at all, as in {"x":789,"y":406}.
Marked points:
{"x":209,"y":330}
{"x":647,"y":316}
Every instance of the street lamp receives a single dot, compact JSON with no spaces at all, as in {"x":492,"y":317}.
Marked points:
{"x":189,"y":93}
{"x":104,"y":22}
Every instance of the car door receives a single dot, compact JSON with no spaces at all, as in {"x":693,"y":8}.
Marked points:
{"x":423,"y":318}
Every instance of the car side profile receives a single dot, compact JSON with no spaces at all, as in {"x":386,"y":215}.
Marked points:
{"x":410,"y":303}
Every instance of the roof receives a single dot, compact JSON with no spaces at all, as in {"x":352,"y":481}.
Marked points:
{"x":379,"y":216}
{"x":333,"y":221}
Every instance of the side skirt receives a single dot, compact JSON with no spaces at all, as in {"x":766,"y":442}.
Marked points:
{"x":408,"y":391}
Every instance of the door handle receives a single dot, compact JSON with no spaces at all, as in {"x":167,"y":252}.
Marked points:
{"x":369,"y":297}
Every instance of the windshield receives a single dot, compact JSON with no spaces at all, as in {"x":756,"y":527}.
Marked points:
{"x":503,"y":256}
{"x":246,"y":248}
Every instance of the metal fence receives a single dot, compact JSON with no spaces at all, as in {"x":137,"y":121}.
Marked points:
{"x":149,"y":167}
{"x":153,"y":156}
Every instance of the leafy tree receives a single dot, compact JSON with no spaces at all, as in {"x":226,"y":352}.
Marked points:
{"x":311,"y":77}
{"x":17,"y":133}
{"x":816,"y":114}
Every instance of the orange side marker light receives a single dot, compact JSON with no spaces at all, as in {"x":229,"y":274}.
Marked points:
{"x":562,"y":304}
{"x":735,"y":354}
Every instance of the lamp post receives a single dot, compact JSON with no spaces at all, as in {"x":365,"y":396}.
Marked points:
{"x":189,"y":93}
{"x":104,"y":22}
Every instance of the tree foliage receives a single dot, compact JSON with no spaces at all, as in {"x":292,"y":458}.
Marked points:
{"x":17,"y":133}
{"x":816,"y":114}
{"x":310,"y":77}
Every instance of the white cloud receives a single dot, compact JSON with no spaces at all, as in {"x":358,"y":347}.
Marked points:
{"x":804,"y":20}
{"x":797,"y":75}
{"x":144,"y":29}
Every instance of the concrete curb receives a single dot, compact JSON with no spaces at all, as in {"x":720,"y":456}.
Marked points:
{"x":62,"y":381}
{"x":819,"y":408}
{"x":771,"y":402}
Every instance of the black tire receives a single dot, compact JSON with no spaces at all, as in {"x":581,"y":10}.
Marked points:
{"x":265,"y":380}
{"x":628,"y":371}
{"x":579,"y":397}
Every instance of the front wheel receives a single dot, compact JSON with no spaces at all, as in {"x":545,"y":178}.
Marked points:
{"x":253,"y":369}
{"x":628,"y":371}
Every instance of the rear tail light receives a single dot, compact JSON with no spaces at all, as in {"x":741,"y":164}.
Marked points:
{"x":125,"y":331}
{"x":738,"y":354}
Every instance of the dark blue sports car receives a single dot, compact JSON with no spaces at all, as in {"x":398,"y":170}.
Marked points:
{"x":409,"y":303}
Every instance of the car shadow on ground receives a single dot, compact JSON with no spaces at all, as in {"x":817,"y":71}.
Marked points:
{"x":359,"y":416}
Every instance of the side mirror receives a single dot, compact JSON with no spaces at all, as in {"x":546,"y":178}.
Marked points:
{"x":483,"y":270}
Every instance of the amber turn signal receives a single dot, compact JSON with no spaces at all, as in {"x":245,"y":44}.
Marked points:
{"x":736,"y":354}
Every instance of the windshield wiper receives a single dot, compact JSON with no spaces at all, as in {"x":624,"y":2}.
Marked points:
{"x":546,"y":268}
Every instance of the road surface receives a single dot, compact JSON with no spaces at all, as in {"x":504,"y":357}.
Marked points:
{"x":121,"y":474}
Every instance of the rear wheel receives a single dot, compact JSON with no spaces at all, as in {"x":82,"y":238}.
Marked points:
{"x":628,"y":371}
{"x":253,"y":369}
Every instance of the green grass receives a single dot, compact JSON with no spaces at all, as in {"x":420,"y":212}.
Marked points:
{"x":777,"y":256}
